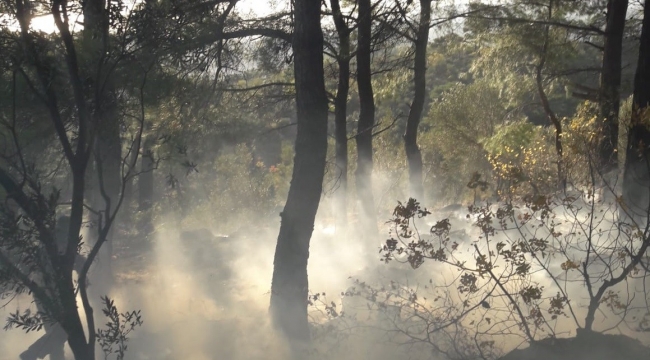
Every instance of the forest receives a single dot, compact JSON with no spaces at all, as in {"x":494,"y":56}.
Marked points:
{"x":325,"y":179}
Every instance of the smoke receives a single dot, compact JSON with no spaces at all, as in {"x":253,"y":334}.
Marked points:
{"x":14,"y":342}
{"x":207,"y":297}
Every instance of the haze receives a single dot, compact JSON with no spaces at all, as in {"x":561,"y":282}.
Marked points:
{"x":368,"y":179}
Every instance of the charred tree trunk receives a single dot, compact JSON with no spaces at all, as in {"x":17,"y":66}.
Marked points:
{"x":290,"y":285}
{"x":636,"y":179}
{"x":413,"y":154}
{"x":610,"y":82}
{"x":363,"y":175}
{"x":341,"y":112}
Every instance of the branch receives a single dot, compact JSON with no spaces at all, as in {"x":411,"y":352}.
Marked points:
{"x":60,"y":14}
{"x":592,"y":29}
{"x":599,"y":47}
{"x":512,"y":300}
{"x":244,"y":33}
{"x":15,"y":192}
{"x":257,"y":87}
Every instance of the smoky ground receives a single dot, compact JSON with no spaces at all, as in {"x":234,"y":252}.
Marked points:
{"x":204,"y":294}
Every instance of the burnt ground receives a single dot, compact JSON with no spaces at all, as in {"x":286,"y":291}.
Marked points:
{"x":585,"y":346}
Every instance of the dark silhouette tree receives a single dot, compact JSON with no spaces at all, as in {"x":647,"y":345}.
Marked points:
{"x":290,"y":284}
{"x":610,"y":81}
{"x":366,"y":124}
{"x":636,"y":180}
{"x":34,"y":257}
{"x":341,"y":109}
{"x":413,"y":154}
{"x":107,"y":152}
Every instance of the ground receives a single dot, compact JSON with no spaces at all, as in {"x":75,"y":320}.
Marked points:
{"x":590,"y":346}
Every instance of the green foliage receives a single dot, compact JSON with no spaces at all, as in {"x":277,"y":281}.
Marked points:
{"x":515,"y":135}
{"x":234,"y":187}
{"x":522,"y":154}
{"x":581,"y":138}
{"x":455,"y":128}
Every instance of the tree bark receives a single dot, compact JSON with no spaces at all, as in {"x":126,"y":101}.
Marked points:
{"x":413,"y":154}
{"x":610,"y":82}
{"x":106,"y":128}
{"x":636,"y":179}
{"x":108,"y":158}
{"x":81,"y":349}
{"x":363,"y":174}
{"x":341,"y":114}
{"x":289,"y":288}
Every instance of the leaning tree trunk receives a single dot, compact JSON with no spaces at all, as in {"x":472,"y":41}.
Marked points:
{"x":413,"y":154}
{"x":341,"y":114}
{"x":289,"y":285}
{"x":363,"y":175}
{"x":636,"y":179}
{"x":610,"y":82}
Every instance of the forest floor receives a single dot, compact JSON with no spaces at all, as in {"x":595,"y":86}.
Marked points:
{"x":592,"y":346}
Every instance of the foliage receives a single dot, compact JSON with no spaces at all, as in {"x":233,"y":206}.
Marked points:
{"x":581,"y":138}
{"x":521,"y":154}
{"x":456,"y":126}
{"x":118,"y":327}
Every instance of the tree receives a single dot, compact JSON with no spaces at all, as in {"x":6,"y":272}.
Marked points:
{"x":340,"y":107}
{"x":413,"y":154}
{"x":555,"y":121}
{"x":610,"y":80}
{"x":107,"y":152}
{"x":636,"y":181}
{"x":585,"y":23}
{"x":366,"y":124}
{"x":289,"y":285}
{"x":34,"y":257}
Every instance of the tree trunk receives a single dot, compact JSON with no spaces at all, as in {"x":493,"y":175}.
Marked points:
{"x":366,"y":124}
{"x":108,"y":146}
{"x":145,"y":178}
{"x":550,"y":114}
{"x":77,"y":338}
{"x":341,"y":114}
{"x":610,"y":82}
{"x":289,"y":288}
{"x":636,"y":179}
{"x":108,"y":156}
{"x":413,"y":154}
